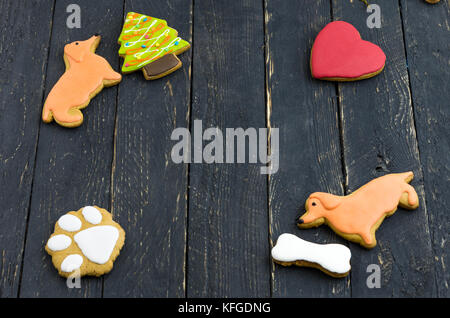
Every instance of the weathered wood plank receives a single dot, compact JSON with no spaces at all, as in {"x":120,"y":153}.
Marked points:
{"x":228,"y":245}
{"x":305,"y":111}
{"x":379,"y":137}
{"x":24,"y":45}
{"x":428,"y":50}
{"x":149,"y":190}
{"x":73,"y":166}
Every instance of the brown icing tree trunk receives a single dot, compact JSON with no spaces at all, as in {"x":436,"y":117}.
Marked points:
{"x":161,"y":67}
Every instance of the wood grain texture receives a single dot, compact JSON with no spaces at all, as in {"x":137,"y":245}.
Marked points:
{"x":149,"y":189}
{"x":379,"y":137}
{"x":206,"y":230}
{"x":21,"y":93}
{"x":73,"y":166}
{"x":428,"y":56}
{"x":228,"y":246}
{"x":305,"y":111}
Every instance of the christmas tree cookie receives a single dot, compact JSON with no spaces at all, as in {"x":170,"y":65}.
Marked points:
{"x":147,"y":43}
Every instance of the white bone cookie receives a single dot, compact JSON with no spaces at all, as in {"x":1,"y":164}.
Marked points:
{"x":332,"y":259}
{"x":87,"y":241}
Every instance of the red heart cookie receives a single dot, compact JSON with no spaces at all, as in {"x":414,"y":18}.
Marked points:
{"x":339,"y":54}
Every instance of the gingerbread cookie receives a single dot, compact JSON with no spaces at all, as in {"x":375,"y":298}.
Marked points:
{"x":332,"y":259}
{"x":147,"y":43}
{"x":339,"y":54}
{"x":87,"y":241}
{"x":86,"y":75}
{"x":357,"y":216}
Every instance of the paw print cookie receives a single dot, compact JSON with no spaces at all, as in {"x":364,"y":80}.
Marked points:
{"x":87,"y":240}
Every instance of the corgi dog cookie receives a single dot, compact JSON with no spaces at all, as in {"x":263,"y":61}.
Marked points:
{"x":85,"y":242}
{"x":332,"y":259}
{"x":85,"y":76}
{"x":358,"y":215}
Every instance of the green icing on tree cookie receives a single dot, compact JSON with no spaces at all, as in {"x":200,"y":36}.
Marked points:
{"x":145,"y":39}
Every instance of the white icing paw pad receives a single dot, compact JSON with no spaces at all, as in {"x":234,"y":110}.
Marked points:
{"x":332,"y":259}
{"x":87,"y":241}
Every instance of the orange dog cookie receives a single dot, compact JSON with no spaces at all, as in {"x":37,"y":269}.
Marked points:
{"x":357,"y":216}
{"x":86,"y":75}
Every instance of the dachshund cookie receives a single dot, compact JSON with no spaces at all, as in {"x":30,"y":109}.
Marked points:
{"x":86,"y":242}
{"x":85,"y":76}
{"x":147,"y":43}
{"x":358,"y":215}
{"x":339,"y":54}
{"x":332,"y":259}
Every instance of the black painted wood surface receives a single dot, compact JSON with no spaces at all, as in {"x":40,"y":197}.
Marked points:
{"x":228,"y":252}
{"x":206,"y":230}
{"x":379,"y":137}
{"x":149,"y":190}
{"x":305,"y":111}
{"x":21,"y":94}
{"x":428,"y":53}
{"x":73,"y":166}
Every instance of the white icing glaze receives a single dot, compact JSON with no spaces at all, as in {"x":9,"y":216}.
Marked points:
{"x":71,"y":263}
{"x":333,"y":257}
{"x":161,"y":49}
{"x":97,"y":242}
{"x":59,"y":242}
{"x":92,"y":215}
{"x":69,"y":222}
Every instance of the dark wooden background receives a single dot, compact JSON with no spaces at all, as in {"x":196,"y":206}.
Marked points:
{"x":206,"y":230}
